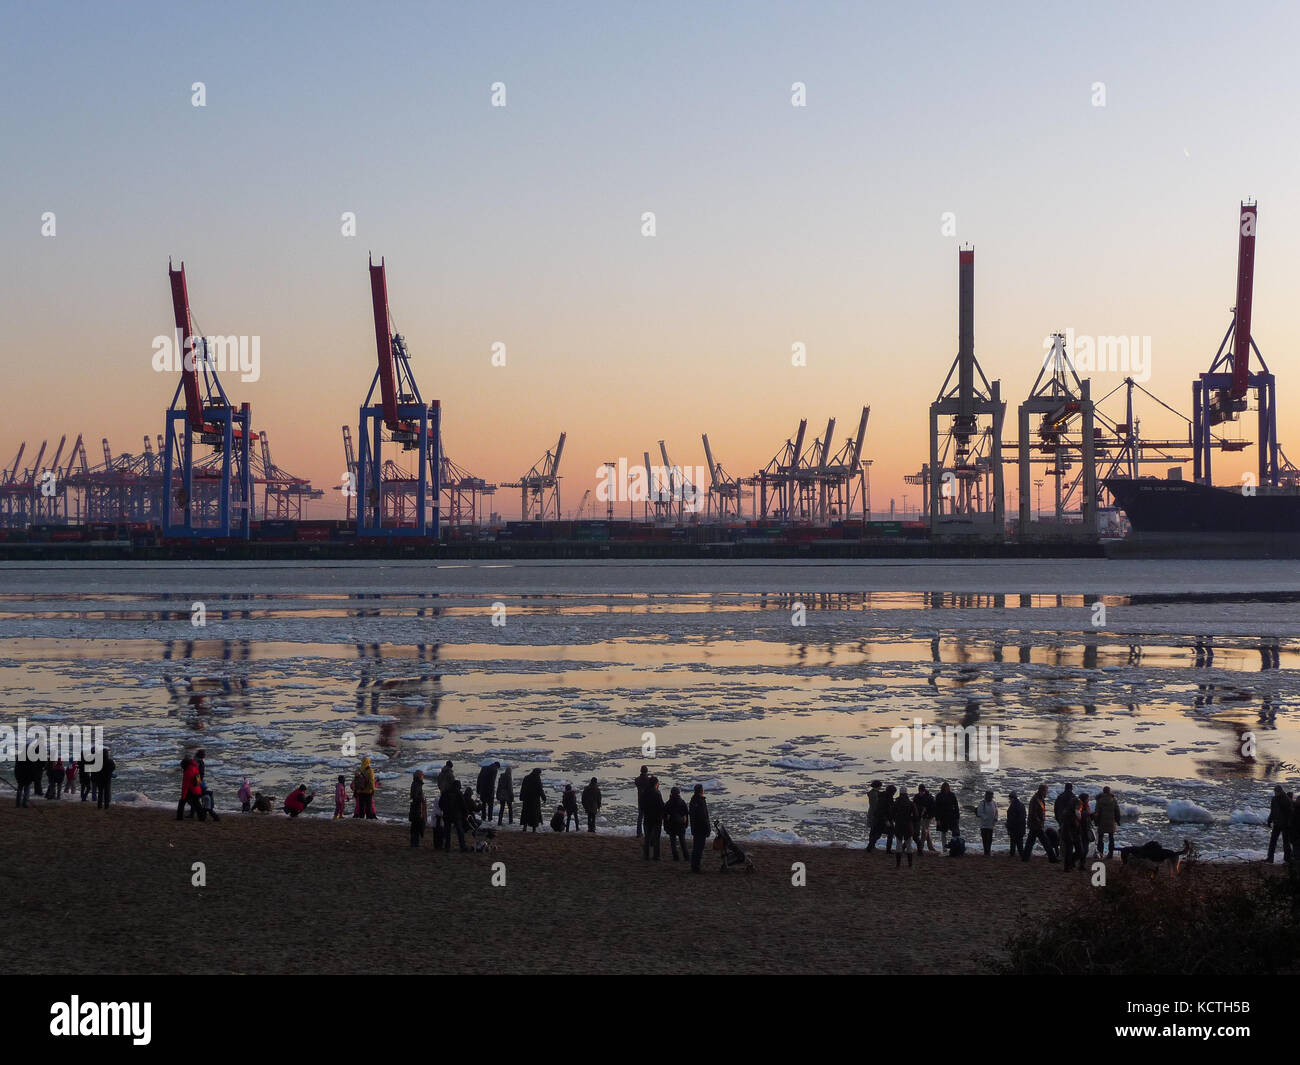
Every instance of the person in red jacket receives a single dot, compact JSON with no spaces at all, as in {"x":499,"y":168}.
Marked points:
{"x":191,"y":791}
{"x":297,"y":801}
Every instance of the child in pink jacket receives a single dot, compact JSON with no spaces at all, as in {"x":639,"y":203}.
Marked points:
{"x":340,"y":798}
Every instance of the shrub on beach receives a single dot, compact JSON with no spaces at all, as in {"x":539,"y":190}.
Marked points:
{"x":1191,"y":925}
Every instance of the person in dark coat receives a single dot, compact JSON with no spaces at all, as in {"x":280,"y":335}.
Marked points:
{"x":654,"y":809}
{"x":23,"y":780}
{"x":1067,"y":819}
{"x":105,"y":782}
{"x":87,"y":784}
{"x":591,"y":803}
{"x":487,"y":788}
{"x":446,"y":777}
{"x":1064,"y":802}
{"x":924,"y":803}
{"x":569,"y":803}
{"x":882,"y":822}
{"x":676,"y":818}
{"x":1016,"y":824}
{"x":418,"y":813}
{"x":946,"y":813}
{"x":472,"y":807}
{"x":505,"y":796}
{"x":641,"y":783}
{"x":200,"y":760}
{"x":452,"y":804}
{"x":701,"y":827}
{"x":987,"y":813}
{"x":903,"y":816}
{"x":1280,"y":815}
{"x":531,"y":797}
{"x":874,"y":796}
{"x":1107,"y":817}
{"x":1038,"y":823}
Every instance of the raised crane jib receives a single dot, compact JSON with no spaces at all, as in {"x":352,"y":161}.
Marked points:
{"x":189,"y":366}
{"x":1245,"y":291}
{"x":384,"y":347}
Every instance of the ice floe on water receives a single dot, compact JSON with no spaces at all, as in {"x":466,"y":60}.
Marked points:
{"x":785,"y":728}
{"x":1180,"y":810}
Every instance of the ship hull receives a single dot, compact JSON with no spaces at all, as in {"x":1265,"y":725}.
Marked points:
{"x":1184,"y":515}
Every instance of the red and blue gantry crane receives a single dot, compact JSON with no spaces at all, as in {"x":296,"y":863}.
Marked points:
{"x":1221,"y":394}
{"x":411,"y":510}
{"x":201,"y":413}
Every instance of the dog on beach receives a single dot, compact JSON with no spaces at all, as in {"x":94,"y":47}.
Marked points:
{"x":1155,"y":856}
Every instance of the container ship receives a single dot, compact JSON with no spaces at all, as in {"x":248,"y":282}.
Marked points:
{"x":1188,"y":514}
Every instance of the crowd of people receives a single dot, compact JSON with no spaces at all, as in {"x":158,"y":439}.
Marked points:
{"x":465,"y":811}
{"x":906,"y":823}
{"x":61,"y":780}
{"x":906,"y":820}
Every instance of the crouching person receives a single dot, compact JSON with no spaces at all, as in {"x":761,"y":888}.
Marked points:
{"x":297,"y":800}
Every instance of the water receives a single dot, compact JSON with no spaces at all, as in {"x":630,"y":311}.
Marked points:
{"x":1096,"y":672}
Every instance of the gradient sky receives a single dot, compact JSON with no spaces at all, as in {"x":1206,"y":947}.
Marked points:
{"x":776,"y":224}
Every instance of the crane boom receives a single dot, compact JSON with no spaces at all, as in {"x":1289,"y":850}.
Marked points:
{"x":1245,"y":293}
{"x":861,"y":437}
{"x":384,"y":344}
{"x":189,"y":364}
{"x":825,"y":456}
{"x":708,"y":457}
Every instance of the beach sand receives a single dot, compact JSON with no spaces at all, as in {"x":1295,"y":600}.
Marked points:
{"x":88,"y":891}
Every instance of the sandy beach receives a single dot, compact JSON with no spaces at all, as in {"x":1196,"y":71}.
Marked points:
{"x":95,"y":892}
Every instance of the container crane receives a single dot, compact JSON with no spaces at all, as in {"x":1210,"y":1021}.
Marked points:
{"x":1221,"y":394}
{"x":200,"y":412}
{"x":724,"y":491}
{"x":400,"y":412}
{"x":539,"y":488}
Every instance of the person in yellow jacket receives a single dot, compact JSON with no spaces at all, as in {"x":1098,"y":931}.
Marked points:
{"x":363,"y":787}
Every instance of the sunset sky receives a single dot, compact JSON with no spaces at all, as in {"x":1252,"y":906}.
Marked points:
{"x":776,"y":224}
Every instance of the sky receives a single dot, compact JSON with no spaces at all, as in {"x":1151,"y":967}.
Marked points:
{"x":775,"y":225}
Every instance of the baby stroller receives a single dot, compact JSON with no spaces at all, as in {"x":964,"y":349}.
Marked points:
{"x":731,"y":854}
{"x":481,"y":834}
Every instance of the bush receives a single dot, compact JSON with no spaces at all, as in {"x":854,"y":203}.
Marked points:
{"x":1221,"y":923}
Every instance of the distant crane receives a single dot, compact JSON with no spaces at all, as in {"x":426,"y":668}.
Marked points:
{"x":585,"y":496}
{"x":724,"y":490}
{"x":539,"y":488}
{"x":680,"y":489}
